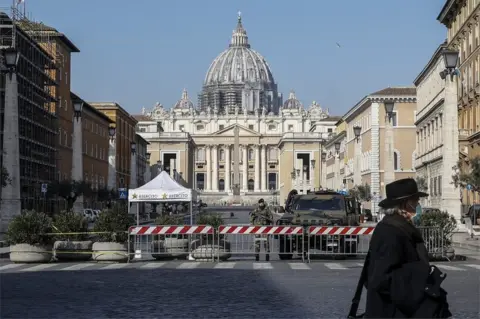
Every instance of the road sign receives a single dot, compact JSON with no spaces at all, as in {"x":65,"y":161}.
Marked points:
{"x":44,"y":188}
{"x":469,"y":187}
{"x":122,"y":193}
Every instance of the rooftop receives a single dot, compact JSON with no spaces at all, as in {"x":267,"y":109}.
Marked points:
{"x":39,"y":29}
{"x":74,"y":97}
{"x":410,"y":90}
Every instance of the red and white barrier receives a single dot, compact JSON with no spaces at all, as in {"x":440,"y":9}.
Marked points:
{"x":261,"y":230}
{"x":339,"y":230}
{"x":170,"y":230}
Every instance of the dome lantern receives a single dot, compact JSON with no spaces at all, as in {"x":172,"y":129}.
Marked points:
{"x":239,"y":36}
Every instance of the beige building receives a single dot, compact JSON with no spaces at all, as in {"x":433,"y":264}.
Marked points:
{"x":241,"y":142}
{"x":384,"y":150}
{"x":462,"y":17}
{"x":335,"y":159}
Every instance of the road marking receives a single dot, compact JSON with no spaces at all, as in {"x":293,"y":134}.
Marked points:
{"x":473,"y":266}
{"x":262,"y":266}
{"x":225,"y":265}
{"x":189,"y":265}
{"x":114,"y":266}
{"x":335,"y":266}
{"x":10,"y":266}
{"x":78,"y":267}
{"x":38,"y":267}
{"x":450,"y":268}
{"x":299,"y":266}
{"x":152,"y":265}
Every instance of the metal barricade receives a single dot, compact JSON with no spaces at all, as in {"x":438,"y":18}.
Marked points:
{"x":242,"y":241}
{"x":342,"y":241}
{"x":160,"y":242}
{"x":434,"y":240}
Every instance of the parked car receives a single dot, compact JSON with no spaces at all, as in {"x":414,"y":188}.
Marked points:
{"x":88,"y":214}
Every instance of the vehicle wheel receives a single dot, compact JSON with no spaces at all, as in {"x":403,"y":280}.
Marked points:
{"x":285,"y":249}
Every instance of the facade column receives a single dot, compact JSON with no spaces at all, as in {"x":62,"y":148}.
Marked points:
{"x":263,"y":164}
{"x":228,"y":172}
{"x":11,"y":204}
{"x":449,"y":121}
{"x":208,"y":158}
{"x":389,"y":175}
{"x":215,"y":168}
{"x":257,"y":168}
{"x":245,"y":168}
{"x":357,"y":174}
{"x":77,"y":160}
{"x":112,"y":163}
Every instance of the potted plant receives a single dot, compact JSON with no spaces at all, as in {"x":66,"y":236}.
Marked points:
{"x":112,"y":226}
{"x":72,"y":242}
{"x":209,"y":246}
{"x":30,"y":239}
{"x":170,"y":246}
{"x":437,"y":229}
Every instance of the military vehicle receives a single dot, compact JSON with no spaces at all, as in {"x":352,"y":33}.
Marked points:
{"x":320,"y":208}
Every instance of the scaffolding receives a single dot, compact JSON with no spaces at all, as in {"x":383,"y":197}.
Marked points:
{"x":37,"y":89}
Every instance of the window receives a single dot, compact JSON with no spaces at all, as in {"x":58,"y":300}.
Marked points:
{"x":272,"y":154}
{"x":222,"y":155}
{"x":181,"y":127}
{"x":200,"y":154}
{"x":272,"y":127}
{"x":290,"y":128}
{"x":221,"y":127}
{"x":250,"y":126}
{"x":200,"y":127}
{"x":329,"y":130}
{"x":251,"y":156}
{"x":395,"y":160}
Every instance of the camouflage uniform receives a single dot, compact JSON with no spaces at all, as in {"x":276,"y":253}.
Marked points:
{"x":261,"y":217}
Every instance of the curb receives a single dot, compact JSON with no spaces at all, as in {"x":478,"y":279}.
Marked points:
{"x":467,"y":246}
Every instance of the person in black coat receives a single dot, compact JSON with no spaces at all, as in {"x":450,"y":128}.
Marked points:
{"x":400,"y":281}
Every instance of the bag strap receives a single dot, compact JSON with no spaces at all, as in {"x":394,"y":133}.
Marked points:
{"x":358,"y":292}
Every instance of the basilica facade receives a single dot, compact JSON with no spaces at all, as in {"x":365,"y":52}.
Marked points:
{"x":241,"y":141}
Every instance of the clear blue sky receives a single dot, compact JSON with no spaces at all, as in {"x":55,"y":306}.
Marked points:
{"x":138,"y":54}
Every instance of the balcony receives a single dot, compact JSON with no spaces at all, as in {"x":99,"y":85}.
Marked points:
{"x":463,"y":134}
{"x":272,"y":161}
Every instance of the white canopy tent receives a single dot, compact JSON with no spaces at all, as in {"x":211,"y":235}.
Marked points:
{"x":162,"y":188}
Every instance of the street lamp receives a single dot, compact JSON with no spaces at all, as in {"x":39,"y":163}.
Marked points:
{"x":312,"y":162}
{"x":298,"y":172}
{"x":10,"y":59}
{"x":292,"y":174}
{"x":337,"y":146}
{"x":133,"y":147}
{"x":77,"y":109}
{"x":324,"y":156}
{"x":389,"y":105}
{"x":450,"y":58}
{"x":357,"y":130}
{"x":147,"y":156}
{"x":305,"y":167}
{"x":111,"y":132}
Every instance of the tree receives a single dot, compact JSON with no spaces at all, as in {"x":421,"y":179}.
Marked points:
{"x":361,"y":192}
{"x":69,"y":190}
{"x":5,"y":177}
{"x":105,"y":195}
{"x":471,"y":177}
{"x":422,"y":183}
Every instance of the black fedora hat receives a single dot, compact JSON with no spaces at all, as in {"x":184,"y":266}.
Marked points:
{"x":400,"y":190}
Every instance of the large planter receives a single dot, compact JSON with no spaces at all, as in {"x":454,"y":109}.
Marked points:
{"x":110,"y":251}
{"x":25,"y":253}
{"x":206,"y":250}
{"x":170,"y":248}
{"x":73,"y":250}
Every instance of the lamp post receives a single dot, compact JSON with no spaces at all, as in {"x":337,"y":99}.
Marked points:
{"x":337,"y":165}
{"x":112,"y":157}
{"x":357,"y":130}
{"x":77,"y":154}
{"x":389,"y":175}
{"x":11,"y":204}
{"x":449,"y":123}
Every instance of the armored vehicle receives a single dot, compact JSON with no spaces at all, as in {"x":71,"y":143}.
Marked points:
{"x":320,"y":208}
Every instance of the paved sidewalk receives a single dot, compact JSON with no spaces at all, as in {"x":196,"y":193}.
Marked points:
{"x":465,"y":241}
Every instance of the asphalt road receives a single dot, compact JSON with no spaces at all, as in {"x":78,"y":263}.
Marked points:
{"x":137,"y":291}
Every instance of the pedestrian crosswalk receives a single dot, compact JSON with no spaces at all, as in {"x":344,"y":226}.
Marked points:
{"x":190,"y":265}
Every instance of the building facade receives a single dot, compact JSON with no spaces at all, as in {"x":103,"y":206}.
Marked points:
{"x":335,"y":162}
{"x":437,"y":145}
{"x":37,"y":120}
{"x":124,"y":136}
{"x":142,"y":163}
{"x":367,"y":157}
{"x":241,"y":142}
{"x":462,"y":17}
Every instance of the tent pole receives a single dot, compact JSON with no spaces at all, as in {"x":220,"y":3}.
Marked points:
{"x":191,"y":212}
{"x":138,"y":214}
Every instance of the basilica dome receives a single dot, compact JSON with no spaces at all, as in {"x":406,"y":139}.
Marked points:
{"x":239,"y":64}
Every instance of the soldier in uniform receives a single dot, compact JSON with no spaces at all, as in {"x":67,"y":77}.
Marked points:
{"x":261,"y":216}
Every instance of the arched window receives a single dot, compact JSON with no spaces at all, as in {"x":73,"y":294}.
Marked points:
{"x":221,"y":185}
{"x":395,"y":161}
{"x":251,"y":185}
